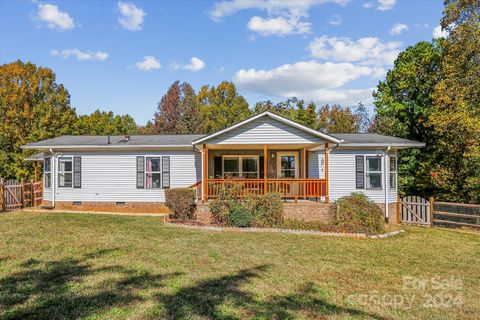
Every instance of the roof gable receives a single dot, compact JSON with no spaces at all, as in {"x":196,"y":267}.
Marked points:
{"x":267,"y":128}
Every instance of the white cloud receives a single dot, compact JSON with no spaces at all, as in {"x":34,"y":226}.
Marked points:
{"x":335,"y":20}
{"x":278,"y":26}
{"x":384,"y":5}
{"x":195,"y":65}
{"x":148,"y":63}
{"x":367,"y":51}
{"x":368,"y":5}
{"x":54,"y":18}
{"x":284,"y":17}
{"x":296,"y":7}
{"x":131,"y":16}
{"x":320,"y":82}
{"x":80,"y":55}
{"x":439,"y":33}
{"x":398,"y":28}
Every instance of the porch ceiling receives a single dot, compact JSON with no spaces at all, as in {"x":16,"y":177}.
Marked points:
{"x":308,"y":146}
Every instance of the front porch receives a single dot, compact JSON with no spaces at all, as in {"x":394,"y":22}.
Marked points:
{"x":260,"y":169}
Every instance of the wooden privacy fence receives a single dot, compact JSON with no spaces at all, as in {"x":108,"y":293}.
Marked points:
{"x":19,"y":194}
{"x":419,"y":211}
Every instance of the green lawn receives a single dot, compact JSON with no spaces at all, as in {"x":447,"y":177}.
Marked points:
{"x":57,"y":266}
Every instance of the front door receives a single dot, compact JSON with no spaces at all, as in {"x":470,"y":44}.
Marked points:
{"x":287,"y":165}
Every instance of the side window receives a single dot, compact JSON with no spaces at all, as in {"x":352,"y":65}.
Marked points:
{"x":152,"y":173}
{"x":65,"y":172}
{"x":47,"y":172}
{"x":393,"y":172}
{"x":373,"y":172}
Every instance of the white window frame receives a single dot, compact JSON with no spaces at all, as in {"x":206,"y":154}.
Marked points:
{"x":240,"y":165}
{"x":64,"y":159}
{"x":153,"y":172}
{"x":393,"y":173}
{"x":367,"y":172}
{"x":47,"y":173}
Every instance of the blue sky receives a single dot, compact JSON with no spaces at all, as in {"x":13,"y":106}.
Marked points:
{"x":123,"y":55}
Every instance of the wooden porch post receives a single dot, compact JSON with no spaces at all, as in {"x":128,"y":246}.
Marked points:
{"x":205,"y":173}
{"x":265,"y":168}
{"x":304,"y":158}
{"x":326,"y":174}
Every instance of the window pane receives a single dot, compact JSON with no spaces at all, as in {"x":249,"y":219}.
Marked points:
{"x":152,"y":180}
{"x":249,"y":175}
{"x":374,"y":180}
{"x":393,"y":164}
{"x":393,"y":180}
{"x":65,"y":180}
{"x":231,"y":175}
{"x":230,"y":164}
{"x":48,"y":165}
{"x":64,"y":164}
{"x":288,"y":162}
{"x":249,"y":165}
{"x":48,"y":180}
{"x":374,"y":164}
{"x":153,"y":165}
{"x":287,"y":173}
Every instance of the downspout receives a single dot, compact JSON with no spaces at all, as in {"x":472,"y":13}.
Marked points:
{"x":53,"y":179}
{"x":385,"y":155}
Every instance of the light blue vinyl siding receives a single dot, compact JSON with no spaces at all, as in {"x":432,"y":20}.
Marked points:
{"x":265,"y":130}
{"x":111,"y":176}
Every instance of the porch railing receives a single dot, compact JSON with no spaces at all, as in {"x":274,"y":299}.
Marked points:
{"x":288,"y":188}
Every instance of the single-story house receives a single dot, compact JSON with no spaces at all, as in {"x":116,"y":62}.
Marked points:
{"x":265,"y":153}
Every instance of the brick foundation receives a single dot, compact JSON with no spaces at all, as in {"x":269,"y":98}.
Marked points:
{"x":304,"y":211}
{"x":129,"y":207}
{"x":392,"y":211}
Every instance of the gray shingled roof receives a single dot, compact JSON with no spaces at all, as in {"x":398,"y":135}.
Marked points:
{"x":116,"y":141}
{"x":373,"y":139}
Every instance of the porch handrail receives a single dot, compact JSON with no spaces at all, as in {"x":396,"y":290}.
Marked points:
{"x":288,"y":188}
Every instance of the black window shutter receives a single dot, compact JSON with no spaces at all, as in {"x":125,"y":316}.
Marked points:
{"x":166,"y":172}
{"x":217,"y":167}
{"x":77,"y":172}
{"x":140,"y":172}
{"x":261,"y":163}
{"x":360,"y":172}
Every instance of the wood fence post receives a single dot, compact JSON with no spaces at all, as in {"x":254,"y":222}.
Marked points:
{"x":2,"y":195}
{"x":22,"y":183}
{"x":431,"y":211}
{"x":32,"y":194}
{"x":399,"y":209}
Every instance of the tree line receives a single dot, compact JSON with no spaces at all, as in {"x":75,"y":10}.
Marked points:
{"x":432,"y":94}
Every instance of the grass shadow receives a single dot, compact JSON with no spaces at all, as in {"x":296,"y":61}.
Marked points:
{"x":44,"y":289}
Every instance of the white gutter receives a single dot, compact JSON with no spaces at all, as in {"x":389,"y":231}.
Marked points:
{"x":108,"y":146}
{"x":385,"y":160}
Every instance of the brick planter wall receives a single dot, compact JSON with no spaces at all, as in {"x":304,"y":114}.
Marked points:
{"x":308,"y":211}
{"x":129,"y":207}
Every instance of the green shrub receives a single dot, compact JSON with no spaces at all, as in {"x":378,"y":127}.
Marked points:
{"x":240,"y":217}
{"x":181,"y":201}
{"x":221,"y":205}
{"x":264,"y":210}
{"x":267,"y":209}
{"x":357,"y":213}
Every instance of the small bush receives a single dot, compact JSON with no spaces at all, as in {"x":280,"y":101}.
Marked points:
{"x":239,"y":217}
{"x":267,"y":209}
{"x":221,"y":205}
{"x":358,"y":214}
{"x":181,"y":201}
{"x":263,"y":210}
